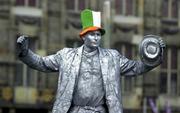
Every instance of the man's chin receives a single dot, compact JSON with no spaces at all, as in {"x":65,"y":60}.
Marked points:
{"x":94,"y":46}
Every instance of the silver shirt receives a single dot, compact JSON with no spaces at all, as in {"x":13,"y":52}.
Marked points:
{"x":89,"y":89}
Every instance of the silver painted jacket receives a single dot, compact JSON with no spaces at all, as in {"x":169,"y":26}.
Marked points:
{"x":67,"y":63}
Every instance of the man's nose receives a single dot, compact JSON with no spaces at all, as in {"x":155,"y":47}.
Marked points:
{"x":96,"y":37}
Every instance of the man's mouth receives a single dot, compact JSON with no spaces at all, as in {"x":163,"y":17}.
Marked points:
{"x":94,"y":42}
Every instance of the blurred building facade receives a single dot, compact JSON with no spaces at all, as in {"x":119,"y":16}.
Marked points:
{"x":54,"y":24}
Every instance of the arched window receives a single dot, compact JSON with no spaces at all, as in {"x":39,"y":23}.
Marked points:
{"x":28,"y":3}
{"x":168,"y":81}
{"x":75,"y":5}
{"x":170,"y":8}
{"x":125,"y":7}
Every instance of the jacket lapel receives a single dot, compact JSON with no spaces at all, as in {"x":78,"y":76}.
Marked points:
{"x":104,"y":64}
{"x":76,"y":63}
{"x":64,"y":101}
{"x":77,"y":59}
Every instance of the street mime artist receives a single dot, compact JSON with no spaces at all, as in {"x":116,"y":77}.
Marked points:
{"x":89,"y":76}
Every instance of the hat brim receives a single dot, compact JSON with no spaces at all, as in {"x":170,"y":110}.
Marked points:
{"x":94,"y":28}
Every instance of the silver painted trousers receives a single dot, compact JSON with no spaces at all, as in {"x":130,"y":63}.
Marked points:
{"x":87,"y":109}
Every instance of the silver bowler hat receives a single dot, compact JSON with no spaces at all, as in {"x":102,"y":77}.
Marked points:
{"x":150,"y":50}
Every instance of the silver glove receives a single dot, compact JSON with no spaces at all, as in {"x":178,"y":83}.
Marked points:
{"x":22,"y":46}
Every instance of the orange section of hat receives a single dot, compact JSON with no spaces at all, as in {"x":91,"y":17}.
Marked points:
{"x":83,"y":32}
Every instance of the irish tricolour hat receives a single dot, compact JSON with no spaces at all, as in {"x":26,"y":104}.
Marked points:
{"x":91,"y":21}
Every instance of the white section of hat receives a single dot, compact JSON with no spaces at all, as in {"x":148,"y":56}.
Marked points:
{"x":96,"y":18}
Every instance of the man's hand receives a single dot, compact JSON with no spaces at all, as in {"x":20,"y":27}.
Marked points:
{"x":22,"y":46}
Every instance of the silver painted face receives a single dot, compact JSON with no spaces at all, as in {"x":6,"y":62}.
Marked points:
{"x":92,"y":39}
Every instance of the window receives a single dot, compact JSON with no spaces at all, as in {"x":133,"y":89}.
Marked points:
{"x":174,"y":83}
{"x":128,"y":50}
{"x":70,"y":4}
{"x":163,"y":82}
{"x":30,"y":3}
{"x":20,"y":2}
{"x":75,"y":5}
{"x":170,"y":8}
{"x":168,"y":77}
{"x":73,"y":43}
{"x":125,"y":7}
{"x":128,"y":81}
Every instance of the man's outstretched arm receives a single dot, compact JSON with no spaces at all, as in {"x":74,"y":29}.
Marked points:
{"x":46,"y":64}
{"x":132,"y":67}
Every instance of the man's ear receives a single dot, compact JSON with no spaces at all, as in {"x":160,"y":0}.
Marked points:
{"x":83,"y":38}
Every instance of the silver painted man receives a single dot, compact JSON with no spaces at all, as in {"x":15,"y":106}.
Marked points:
{"x":89,"y":76}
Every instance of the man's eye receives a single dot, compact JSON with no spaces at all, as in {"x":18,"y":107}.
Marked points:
{"x":93,"y":34}
{"x":98,"y":34}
